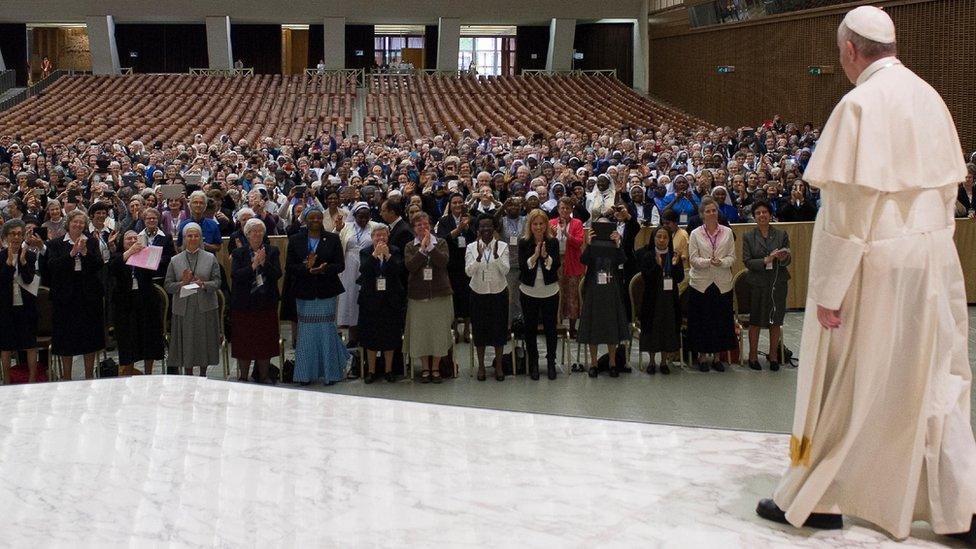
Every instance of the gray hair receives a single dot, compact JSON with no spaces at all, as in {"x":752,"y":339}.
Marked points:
{"x":12,"y":224}
{"x":191,"y":226}
{"x":197,"y":194}
{"x":252,"y":224}
{"x":705,"y":201}
{"x":866,"y":47}
{"x":77,"y":212}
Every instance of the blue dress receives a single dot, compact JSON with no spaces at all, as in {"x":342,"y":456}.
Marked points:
{"x":320,"y":352}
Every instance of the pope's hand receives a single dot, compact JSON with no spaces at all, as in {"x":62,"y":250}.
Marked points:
{"x":828,"y":318}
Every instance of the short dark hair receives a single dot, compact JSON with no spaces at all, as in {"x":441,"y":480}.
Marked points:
{"x":760,"y":204}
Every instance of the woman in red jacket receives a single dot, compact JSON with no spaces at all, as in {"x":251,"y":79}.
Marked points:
{"x":569,"y":232}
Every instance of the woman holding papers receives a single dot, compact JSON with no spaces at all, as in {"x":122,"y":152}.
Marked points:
{"x":138,"y":315}
{"x":193,"y":279}
{"x":18,"y":305}
{"x":255,"y":270}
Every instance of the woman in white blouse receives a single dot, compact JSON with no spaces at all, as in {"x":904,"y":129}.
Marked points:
{"x":711,"y":252}
{"x":486,"y":261}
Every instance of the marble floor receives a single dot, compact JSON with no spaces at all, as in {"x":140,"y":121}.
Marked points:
{"x":173,"y":461}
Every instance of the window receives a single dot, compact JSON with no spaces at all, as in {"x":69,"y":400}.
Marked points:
{"x":388,"y":47}
{"x":485,"y":51}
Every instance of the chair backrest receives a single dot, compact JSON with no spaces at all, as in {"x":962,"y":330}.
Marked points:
{"x":683,"y":303}
{"x":44,"y":312}
{"x":220,"y":317}
{"x":636,"y":296}
{"x":740,"y":292}
{"x":163,"y":306}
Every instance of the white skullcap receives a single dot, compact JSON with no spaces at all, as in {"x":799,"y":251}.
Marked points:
{"x":871,"y":23}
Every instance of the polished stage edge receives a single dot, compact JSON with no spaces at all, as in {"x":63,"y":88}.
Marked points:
{"x":180,"y":461}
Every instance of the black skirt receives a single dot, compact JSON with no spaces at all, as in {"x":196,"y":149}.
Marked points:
{"x":382,"y":329}
{"x":18,"y":328}
{"x":489,"y":323}
{"x":711,"y":327}
{"x":139,"y":329}
{"x":78,"y":328}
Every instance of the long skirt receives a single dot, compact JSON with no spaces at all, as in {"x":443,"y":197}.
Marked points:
{"x":663,"y":334}
{"x":255,"y":335}
{"x":489,"y":323}
{"x":767,"y":304}
{"x":194,"y":339}
{"x":382,"y":329}
{"x":320,"y":353}
{"x":78,"y":328}
{"x":604,"y":315}
{"x":569,"y":290}
{"x":428,"y":330}
{"x":18,"y":328}
{"x":347,"y":313}
{"x":711,"y":327}
{"x":139,"y":331}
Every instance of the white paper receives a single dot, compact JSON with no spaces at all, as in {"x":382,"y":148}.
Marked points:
{"x":189,"y":289}
{"x":147,"y":258}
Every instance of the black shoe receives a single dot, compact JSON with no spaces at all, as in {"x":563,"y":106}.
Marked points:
{"x":390,"y":377}
{"x":702,"y":367}
{"x":969,"y":538}
{"x":592,"y":372}
{"x":369,"y":378}
{"x":614,"y":372}
{"x":754,"y":365}
{"x":665,"y":370}
{"x":425,"y":376}
{"x":718,"y":366}
{"x":436,"y":378}
{"x":499,"y":376}
{"x":534,"y":369}
{"x":768,"y":510}
{"x":625,"y":370}
{"x":304,"y":383}
{"x":651,"y":369}
{"x":551,"y":371}
{"x":481,"y":374}
{"x":774,"y":366}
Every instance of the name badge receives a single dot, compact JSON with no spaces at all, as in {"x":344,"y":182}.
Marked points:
{"x":513,"y":240}
{"x":683,"y":219}
{"x":259,"y":280}
{"x":562,"y":246}
{"x":77,"y":263}
{"x":668,"y":284}
{"x":135,"y":283}
{"x":602,"y":277}
{"x":462,"y":242}
{"x":769,"y":266}
{"x":381,"y":283}
{"x":428,"y":274}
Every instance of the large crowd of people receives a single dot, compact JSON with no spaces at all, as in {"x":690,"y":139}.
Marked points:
{"x":405,"y":244}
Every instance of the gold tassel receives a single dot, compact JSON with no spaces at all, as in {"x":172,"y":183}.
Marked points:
{"x":799,"y":451}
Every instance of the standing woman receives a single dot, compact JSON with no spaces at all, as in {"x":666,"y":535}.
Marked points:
{"x":569,"y":233}
{"x":382,"y":302}
{"x":603,"y":318}
{"x":511,"y":227}
{"x":711,"y":251}
{"x":77,"y":295}
{"x":18,"y":306}
{"x":455,"y":228}
{"x":194,"y":330}
{"x":765,"y":252}
{"x":138,"y":316}
{"x":486,"y":263}
{"x":660,"y":314}
{"x":314,"y":263}
{"x":255,"y":270}
{"x":354,"y":237}
{"x":430,"y":308}
{"x":539,"y":288}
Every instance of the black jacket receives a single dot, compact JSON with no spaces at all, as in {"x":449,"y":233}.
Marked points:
{"x":325,"y":284}
{"x":394,"y":298}
{"x":243,"y":294}
{"x":164,"y":241}
{"x":27,"y":274}
{"x":68,"y":286}
{"x":400,"y":235}
{"x":653,"y":275}
{"x":526,"y":249}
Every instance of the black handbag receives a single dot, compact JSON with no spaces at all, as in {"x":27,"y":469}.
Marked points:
{"x":108,"y":368}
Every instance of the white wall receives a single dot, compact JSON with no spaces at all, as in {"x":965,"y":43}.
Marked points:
{"x":219,"y":51}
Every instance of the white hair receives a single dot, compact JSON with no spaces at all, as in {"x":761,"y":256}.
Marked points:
{"x":868,"y":48}
{"x":252,"y":224}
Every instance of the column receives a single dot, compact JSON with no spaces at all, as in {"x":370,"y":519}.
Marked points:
{"x":642,"y":51}
{"x":3,"y":66}
{"x":101,"y":41}
{"x":448,"y":43}
{"x":335,"y":43}
{"x":561,"y":35}
{"x":219,"y":52}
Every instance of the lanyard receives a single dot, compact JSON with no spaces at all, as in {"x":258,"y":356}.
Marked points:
{"x":713,"y":240}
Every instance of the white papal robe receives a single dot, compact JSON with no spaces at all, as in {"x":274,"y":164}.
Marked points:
{"x":882,"y":422}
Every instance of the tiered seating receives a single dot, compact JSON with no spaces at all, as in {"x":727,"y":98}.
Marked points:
{"x":170,"y":107}
{"x":425,"y":105}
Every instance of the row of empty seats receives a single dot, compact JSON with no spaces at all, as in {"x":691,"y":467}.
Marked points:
{"x":170,"y":107}
{"x":430,"y":104}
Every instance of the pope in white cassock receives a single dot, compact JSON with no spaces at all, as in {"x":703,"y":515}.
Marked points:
{"x":882,"y":421}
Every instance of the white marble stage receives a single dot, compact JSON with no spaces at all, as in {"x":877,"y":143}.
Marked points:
{"x":169,"y":461}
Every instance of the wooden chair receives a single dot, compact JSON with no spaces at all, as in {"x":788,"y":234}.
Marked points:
{"x":164,"y":311}
{"x":45,"y":313}
{"x":224,"y":352}
{"x":636,"y":290}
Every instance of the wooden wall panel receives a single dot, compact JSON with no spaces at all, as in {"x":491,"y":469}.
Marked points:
{"x":771,"y":57}
{"x":258,"y":46}
{"x":606,"y":46}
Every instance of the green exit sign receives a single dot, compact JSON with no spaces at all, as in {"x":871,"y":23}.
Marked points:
{"x":817,"y":70}
{"x":725,"y":69}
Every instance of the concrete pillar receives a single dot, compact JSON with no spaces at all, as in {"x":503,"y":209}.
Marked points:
{"x":219,"y":52}
{"x":448,"y":43}
{"x":642,"y":51}
{"x":561,"y":35}
{"x":335,"y":43}
{"x":3,"y":66}
{"x":101,"y":41}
